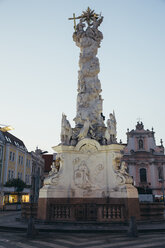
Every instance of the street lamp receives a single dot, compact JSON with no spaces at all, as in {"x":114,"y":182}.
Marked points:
{"x":5,"y":128}
{"x":161,"y":180}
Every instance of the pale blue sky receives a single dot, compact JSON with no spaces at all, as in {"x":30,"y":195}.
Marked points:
{"x":39,"y":64}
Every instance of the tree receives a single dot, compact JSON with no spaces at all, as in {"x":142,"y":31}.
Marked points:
{"x":16,"y":183}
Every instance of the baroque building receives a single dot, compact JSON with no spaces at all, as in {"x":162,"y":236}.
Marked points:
{"x":145,"y":160}
{"x":15,"y":162}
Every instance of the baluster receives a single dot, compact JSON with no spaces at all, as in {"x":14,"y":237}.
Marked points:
{"x":58,"y":212}
{"x":104,"y":212}
{"x":64,"y":212}
{"x":115,"y":208}
{"x":109,"y":212}
{"x":118,"y":212}
{"x":61,"y":211}
{"x":67,"y":212}
{"x":55,"y":212}
{"x":113,"y":212}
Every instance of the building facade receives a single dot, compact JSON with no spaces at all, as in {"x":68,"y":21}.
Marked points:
{"x":49,"y":159}
{"x":37,"y":177}
{"x":16,"y":163}
{"x":145,"y":160}
{"x":2,"y":144}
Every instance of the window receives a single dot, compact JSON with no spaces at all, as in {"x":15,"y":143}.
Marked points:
{"x":10,"y":156}
{"x":27,"y":179}
{"x":28,"y":163}
{"x":25,"y":198}
{"x":141,"y":145}
{"x":22,"y":161}
{"x":0,"y":153}
{"x":143,"y":175}
{"x":18,"y":175}
{"x":13,"y":156}
{"x":12,"y":174}
{"x":160,"y":172}
{"x":13,"y":198}
{"x":19,"y":161}
{"x":9,"y":174}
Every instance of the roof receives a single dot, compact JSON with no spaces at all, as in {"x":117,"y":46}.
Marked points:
{"x":9,"y":138}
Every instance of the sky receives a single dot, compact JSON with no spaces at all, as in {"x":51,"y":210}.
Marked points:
{"x":39,"y":66}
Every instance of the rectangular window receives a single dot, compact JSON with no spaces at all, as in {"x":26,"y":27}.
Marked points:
{"x":25,"y":198}
{"x":12,"y":174}
{"x":27,"y":178}
{"x":21,"y":175}
{"x":22,"y":161}
{"x":29,"y":163}
{"x":9,"y":174}
{"x":143,"y":175}
{"x":18,"y":175}
{"x":160,"y":173}
{"x":13,"y":156}
{"x":13,"y":198}
{"x":10,"y":156}
{"x":19,"y":160}
{"x":0,"y":153}
{"x":26,"y":162}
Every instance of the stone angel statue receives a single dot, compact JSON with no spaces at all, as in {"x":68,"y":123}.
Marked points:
{"x":84,"y":130}
{"x":66,"y":130}
{"x":111,"y":127}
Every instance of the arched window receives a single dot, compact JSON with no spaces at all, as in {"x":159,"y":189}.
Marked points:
{"x":141,"y":144}
{"x":143,"y":175}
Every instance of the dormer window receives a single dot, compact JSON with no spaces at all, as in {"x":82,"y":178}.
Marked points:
{"x":141,"y":144}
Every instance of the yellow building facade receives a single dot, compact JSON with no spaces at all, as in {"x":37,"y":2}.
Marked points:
{"x":16,"y":163}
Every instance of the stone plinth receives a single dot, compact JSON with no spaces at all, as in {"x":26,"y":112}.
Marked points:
{"x":88,"y":175}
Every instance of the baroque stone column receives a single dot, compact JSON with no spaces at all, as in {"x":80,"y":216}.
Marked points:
{"x":89,"y":100}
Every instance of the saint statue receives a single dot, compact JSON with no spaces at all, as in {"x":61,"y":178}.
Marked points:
{"x":111,"y":127}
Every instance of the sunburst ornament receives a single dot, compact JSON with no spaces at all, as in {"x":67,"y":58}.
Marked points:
{"x":89,"y":15}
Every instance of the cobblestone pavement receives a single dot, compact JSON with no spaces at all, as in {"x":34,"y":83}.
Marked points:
{"x":63,"y":240}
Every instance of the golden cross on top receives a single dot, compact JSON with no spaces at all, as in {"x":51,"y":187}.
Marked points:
{"x":74,"y":18}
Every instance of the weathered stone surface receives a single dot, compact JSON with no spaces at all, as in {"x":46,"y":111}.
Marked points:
{"x":88,"y":163}
{"x":87,"y":170}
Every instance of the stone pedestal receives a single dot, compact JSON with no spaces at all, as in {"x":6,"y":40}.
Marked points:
{"x":88,"y":178}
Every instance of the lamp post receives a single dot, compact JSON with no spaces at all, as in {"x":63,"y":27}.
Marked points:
{"x":5,"y":128}
{"x":162,"y":182}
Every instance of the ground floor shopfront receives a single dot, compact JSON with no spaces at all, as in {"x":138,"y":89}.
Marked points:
{"x":11,"y":200}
